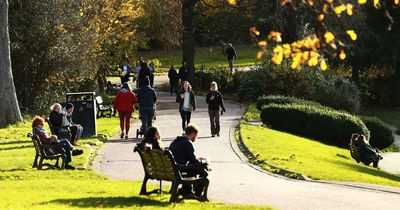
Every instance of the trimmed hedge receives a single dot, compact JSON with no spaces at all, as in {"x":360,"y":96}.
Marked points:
{"x":381,"y":135}
{"x":279,"y":99}
{"x":322,"y":124}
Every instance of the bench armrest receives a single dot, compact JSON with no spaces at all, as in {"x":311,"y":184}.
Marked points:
{"x":198,"y":166}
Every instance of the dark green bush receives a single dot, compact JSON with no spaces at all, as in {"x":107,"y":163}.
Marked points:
{"x":278,"y":99}
{"x":322,"y":124}
{"x":381,"y":135}
{"x":227,"y":83}
{"x":338,"y":93}
{"x":270,"y":79}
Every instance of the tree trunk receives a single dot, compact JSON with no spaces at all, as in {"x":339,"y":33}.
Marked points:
{"x":188,"y":35}
{"x":9,"y":108}
{"x":355,"y":73}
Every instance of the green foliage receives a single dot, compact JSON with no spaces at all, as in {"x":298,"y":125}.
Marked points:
{"x":227,"y":83}
{"x":381,"y":135}
{"x":279,"y":99}
{"x":311,"y":158}
{"x":323,"y":124}
{"x":252,"y":113}
{"x":269,"y":79}
{"x":337,"y":93}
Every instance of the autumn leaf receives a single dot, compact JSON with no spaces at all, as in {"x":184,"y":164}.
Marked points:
{"x":342,"y":55}
{"x":232,"y":2}
{"x":259,"y":55}
{"x":352,"y":34}
{"x":323,"y":65}
{"x":262,"y":43}
{"x":362,"y":1}
{"x":329,"y":37}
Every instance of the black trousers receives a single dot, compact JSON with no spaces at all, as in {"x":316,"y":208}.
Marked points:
{"x":173,"y":86}
{"x":76,"y":132}
{"x":185,"y":118}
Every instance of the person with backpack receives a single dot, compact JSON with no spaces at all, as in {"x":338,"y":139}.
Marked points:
{"x":147,"y":104}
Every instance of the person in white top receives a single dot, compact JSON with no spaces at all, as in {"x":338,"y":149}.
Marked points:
{"x":137,"y":71}
{"x":187,"y":103}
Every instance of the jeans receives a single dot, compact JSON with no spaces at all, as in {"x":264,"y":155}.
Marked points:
{"x":124,"y":121}
{"x":66,"y":145}
{"x":76,"y":132}
{"x":230,"y":61}
{"x":146,"y":115}
{"x":214,"y":121}
{"x":185,"y":115}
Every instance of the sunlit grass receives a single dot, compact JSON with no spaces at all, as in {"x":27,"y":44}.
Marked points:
{"x":312,"y":158}
{"x":252,"y":113}
{"x":205,"y":57}
{"x":24,"y":187}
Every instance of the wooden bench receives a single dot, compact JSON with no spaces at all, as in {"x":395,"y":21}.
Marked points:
{"x":103,"y":108}
{"x":47,"y":152}
{"x":160,"y":165}
{"x":66,"y":134}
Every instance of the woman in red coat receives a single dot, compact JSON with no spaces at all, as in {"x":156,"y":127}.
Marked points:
{"x":124,"y":103}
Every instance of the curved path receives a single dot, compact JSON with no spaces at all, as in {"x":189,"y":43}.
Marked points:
{"x":232,"y":179}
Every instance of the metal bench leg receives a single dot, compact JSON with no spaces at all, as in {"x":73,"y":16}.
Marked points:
{"x":204,"y":197}
{"x":40,"y":163}
{"x":143,"y":190}
{"x":174,"y":192}
{"x":34,"y":165}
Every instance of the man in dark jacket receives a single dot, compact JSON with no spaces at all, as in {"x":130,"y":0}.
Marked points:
{"x":214,"y":100}
{"x":184,"y":72}
{"x":76,"y":129}
{"x":230,"y":53}
{"x":367,"y":153}
{"x":147,"y":102}
{"x":183,"y":151}
{"x":173,"y":80}
{"x":143,"y":73}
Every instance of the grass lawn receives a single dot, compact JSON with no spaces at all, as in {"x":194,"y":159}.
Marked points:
{"x":22,"y":187}
{"x":252,"y":113}
{"x":207,"y":57}
{"x":312,"y":158}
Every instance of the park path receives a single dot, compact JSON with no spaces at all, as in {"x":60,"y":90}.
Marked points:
{"x":233,"y":179}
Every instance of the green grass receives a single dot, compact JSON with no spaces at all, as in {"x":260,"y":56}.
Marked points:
{"x":204,"y":57}
{"x":22,"y":187}
{"x":252,"y":113}
{"x":314,"y":159}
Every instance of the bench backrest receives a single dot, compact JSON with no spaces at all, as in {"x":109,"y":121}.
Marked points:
{"x":38,"y":146}
{"x":159,"y":164}
{"x":99,"y":102}
{"x":52,"y":129}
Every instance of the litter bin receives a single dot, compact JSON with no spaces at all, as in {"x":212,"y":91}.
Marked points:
{"x":84,"y":111}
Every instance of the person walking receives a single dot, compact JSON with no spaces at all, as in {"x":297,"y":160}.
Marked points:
{"x":214,"y":100}
{"x":152,"y":69}
{"x":125,"y":104}
{"x":144,"y":72}
{"x":126,"y":69}
{"x":147,"y":103}
{"x":187,"y":103}
{"x":230,"y":53}
{"x":183,"y":72}
{"x":136,"y":70}
{"x":173,"y":80}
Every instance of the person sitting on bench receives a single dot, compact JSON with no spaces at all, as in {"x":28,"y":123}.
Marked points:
{"x":367,"y":153}
{"x":152,"y":138}
{"x":76,"y":129}
{"x":45,"y":138}
{"x":183,"y":151}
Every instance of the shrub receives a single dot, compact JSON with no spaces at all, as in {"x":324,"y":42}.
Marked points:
{"x":227,"y":83}
{"x":269,"y":79}
{"x":337,"y":93}
{"x":278,"y":99}
{"x":381,"y":135}
{"x":322,"y":124}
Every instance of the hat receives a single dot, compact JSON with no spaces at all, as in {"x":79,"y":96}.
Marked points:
{"x":69,"y":106}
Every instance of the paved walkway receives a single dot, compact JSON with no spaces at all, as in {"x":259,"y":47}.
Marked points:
{"x":232,"y":179}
